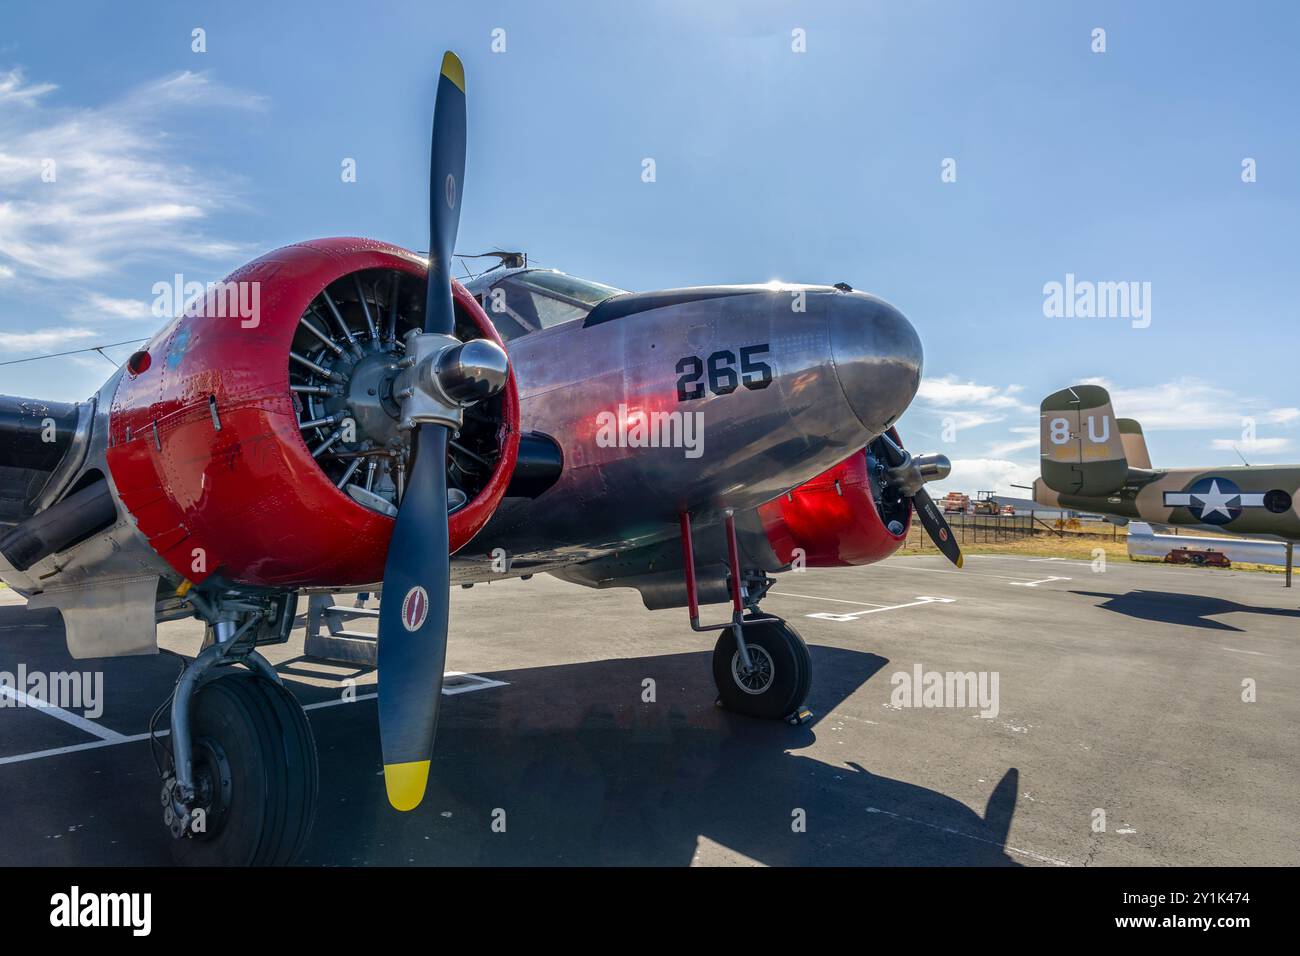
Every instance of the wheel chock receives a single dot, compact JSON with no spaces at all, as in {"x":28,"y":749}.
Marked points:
{"x":799,"y":717}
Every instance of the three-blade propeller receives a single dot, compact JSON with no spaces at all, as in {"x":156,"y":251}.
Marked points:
{"x":909,"y":478}
{"x":413,"y":614}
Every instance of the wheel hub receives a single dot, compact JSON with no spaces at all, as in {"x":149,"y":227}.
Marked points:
{"x":204,"y":814}
{"x":760,"y":676}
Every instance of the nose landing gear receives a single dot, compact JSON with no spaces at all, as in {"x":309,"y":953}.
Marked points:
{"x":240,"y":786}
{"x":761,"y":666}
{"x":254,"y":776}
{"x":777,"y":684}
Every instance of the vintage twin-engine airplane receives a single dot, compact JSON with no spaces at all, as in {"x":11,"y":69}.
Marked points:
{"x":367,"y":424}
{"x":1093,"y":461}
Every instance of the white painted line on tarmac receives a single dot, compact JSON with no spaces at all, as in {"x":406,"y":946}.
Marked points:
{"x":1034,"y":584}
{"x":461,"y":683}
{"x":1238,"y":650}
{"x":854,"y":615}
{"x":74,"y":748}
{"x":83,"y":724}
{"x":971,"y":574}
{"x":970,"y":836}
{"x":458,"y":682}
{"x":334,"y":703}
{"x":1011,"y":557}
{"x":1015,"y":557}
{"x":814,"y":597}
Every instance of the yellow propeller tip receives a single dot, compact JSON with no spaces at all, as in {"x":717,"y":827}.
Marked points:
{"x":454,"y":70}
{"x":960,"y":560}
{"x":405,"y":783}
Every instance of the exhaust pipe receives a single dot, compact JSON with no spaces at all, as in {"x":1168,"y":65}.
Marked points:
{"x":35,"y":434}
{"x":58,"y":527}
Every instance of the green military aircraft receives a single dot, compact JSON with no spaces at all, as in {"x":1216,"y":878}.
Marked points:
{"x":1093,"y":461}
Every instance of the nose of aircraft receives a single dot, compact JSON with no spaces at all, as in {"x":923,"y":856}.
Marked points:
{"x":877,"y":357}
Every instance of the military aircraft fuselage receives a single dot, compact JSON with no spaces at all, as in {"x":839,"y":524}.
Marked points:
{"x":1093,"y":461}
{"x":1252,"y":500}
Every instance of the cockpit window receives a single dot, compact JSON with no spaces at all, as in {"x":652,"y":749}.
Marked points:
{"x":568,"y":287}
{"x":537,"y":299}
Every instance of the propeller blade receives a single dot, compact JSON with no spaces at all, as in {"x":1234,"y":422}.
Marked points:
{"x":413,"y":616}
{"x":446,"y":181}
{"x":894,"y":455}
{"x":413,"y":624}
{"x":936,"y":526}
{"x":932,"y":519}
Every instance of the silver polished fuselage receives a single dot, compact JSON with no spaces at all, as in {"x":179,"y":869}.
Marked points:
{"x":842,"y":370}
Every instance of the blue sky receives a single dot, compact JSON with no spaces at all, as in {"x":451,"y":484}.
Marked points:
{"x":820,"y":166}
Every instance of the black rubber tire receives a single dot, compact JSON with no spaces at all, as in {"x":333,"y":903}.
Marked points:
{"x":267,"y":745}
{"x":791,"y":667}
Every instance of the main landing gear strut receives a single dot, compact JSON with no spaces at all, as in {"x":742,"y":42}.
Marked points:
{"x":761,"y":665}
{"x":240,"y":781}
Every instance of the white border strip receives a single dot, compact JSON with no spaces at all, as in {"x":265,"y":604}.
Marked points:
{"x":111,"y":738}
{"x":83,"y":724}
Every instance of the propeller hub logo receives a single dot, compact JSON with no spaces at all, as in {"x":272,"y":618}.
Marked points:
{"x":415,"y":608}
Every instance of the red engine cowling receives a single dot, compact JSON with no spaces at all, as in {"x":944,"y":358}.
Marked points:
{"x":206,"y":438}
{"x":833,"y":519}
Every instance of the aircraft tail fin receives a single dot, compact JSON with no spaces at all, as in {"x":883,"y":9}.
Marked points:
{"x":1135,"y":443}
{"x":1080,"y":442}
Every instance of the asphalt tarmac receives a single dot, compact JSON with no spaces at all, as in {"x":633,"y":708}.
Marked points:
{"x":1120,"y":736}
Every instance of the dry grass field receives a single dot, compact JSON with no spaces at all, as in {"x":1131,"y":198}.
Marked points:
{"x":1078,"y":545}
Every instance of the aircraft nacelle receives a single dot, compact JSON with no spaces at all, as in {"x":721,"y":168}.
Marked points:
{"x":844,"y":516}
{"x":206,"y":446}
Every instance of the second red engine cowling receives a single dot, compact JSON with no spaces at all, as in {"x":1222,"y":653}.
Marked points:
{"x":834,"y":519}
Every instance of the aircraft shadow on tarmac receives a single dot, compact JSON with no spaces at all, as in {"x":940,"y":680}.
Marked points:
{"x":586,"y":772}
{"x":589,"y":774}
{"x":1192,"y":610}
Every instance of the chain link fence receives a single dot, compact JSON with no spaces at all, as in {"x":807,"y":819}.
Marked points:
{"x":991,"y":529}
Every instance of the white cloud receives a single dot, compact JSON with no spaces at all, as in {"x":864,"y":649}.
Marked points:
{"x":1258,"y":446}
{"x":118,"y":192}
{"x":1189,"y":404}
{"x":970,"y":475}
{"x":42,"y":340}
{"x":14,"y":90}
{"x":948,"y":391}
{"x":1185,"y":404}
{"x":190,"y":89}
{"x":1028,"y":439}
{"x":969,"y":404}
{"x":106,"y":307}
